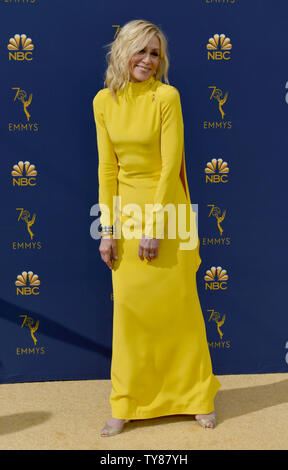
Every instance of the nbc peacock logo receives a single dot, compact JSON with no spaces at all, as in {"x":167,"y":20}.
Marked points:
{"x":216,"y":171}
{"x":27,"y":283}
{"x":219,"y":47}
{"x":216,"y":278}
{"x":24,"y":174}
{"x":20,"y":48}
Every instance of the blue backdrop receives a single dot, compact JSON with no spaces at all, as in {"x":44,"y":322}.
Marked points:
{"x":56,"y":293}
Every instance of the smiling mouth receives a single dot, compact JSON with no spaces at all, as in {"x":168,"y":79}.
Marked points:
{"x":143,"y":68}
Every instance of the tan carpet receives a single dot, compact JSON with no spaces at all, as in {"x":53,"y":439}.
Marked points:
{"x":252,"y":414}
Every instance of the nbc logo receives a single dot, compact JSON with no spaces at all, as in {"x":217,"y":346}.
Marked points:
{"x":216,"y":278}
{"x":219,"y":47}
{"x":28,"y":283}
{"x":212,"y":167}
{"x":20,"y":48}
{"x":24,"y":174}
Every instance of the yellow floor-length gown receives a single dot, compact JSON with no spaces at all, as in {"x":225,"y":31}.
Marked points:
{"x":161,"y":363}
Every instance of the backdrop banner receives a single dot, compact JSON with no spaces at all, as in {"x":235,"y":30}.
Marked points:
{"x":228,"y":59}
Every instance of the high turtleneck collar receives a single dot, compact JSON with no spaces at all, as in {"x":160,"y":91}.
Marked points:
{"x":139,"y":87}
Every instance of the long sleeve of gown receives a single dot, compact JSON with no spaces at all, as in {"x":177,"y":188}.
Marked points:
{"x":108,"y":164}
{"x":172,"y":142}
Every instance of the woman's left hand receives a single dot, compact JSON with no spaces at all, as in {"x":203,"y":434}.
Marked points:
{"x":148,"y":248}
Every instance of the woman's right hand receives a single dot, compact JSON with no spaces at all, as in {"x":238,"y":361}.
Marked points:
{"x":108,"y":251}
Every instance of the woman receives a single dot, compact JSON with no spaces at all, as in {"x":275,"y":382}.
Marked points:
{"x":160,"y":357}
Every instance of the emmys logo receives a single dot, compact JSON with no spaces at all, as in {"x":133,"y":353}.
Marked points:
{"x":117,"y":30}
{"x":24,"y":174}
{"x":20,"y":48}
{"x":22,"y":97}
{"x":221,"y":99}
{"x":216,"y":317}
{"x":220,"y":216}
{"x":217,"y":94}
{"x":219,"y":321}
{"x":216,"y":165}
{"x":219,"y":47}
{"x":221,"y":240}
{"x":30,"y":324}
{"x":216,"y":278}
{"x":25,"y":216}
{"x":216,"y":212}
{"x":28,"y":284}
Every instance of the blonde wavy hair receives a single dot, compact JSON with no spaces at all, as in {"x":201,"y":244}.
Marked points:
{"x":132,"y":38}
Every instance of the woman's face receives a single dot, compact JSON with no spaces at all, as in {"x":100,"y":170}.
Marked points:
{"x":145,"y":63}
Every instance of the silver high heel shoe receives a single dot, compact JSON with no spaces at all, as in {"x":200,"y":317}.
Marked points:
{"x":112,"y":430}
{"x":210,"y":419}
